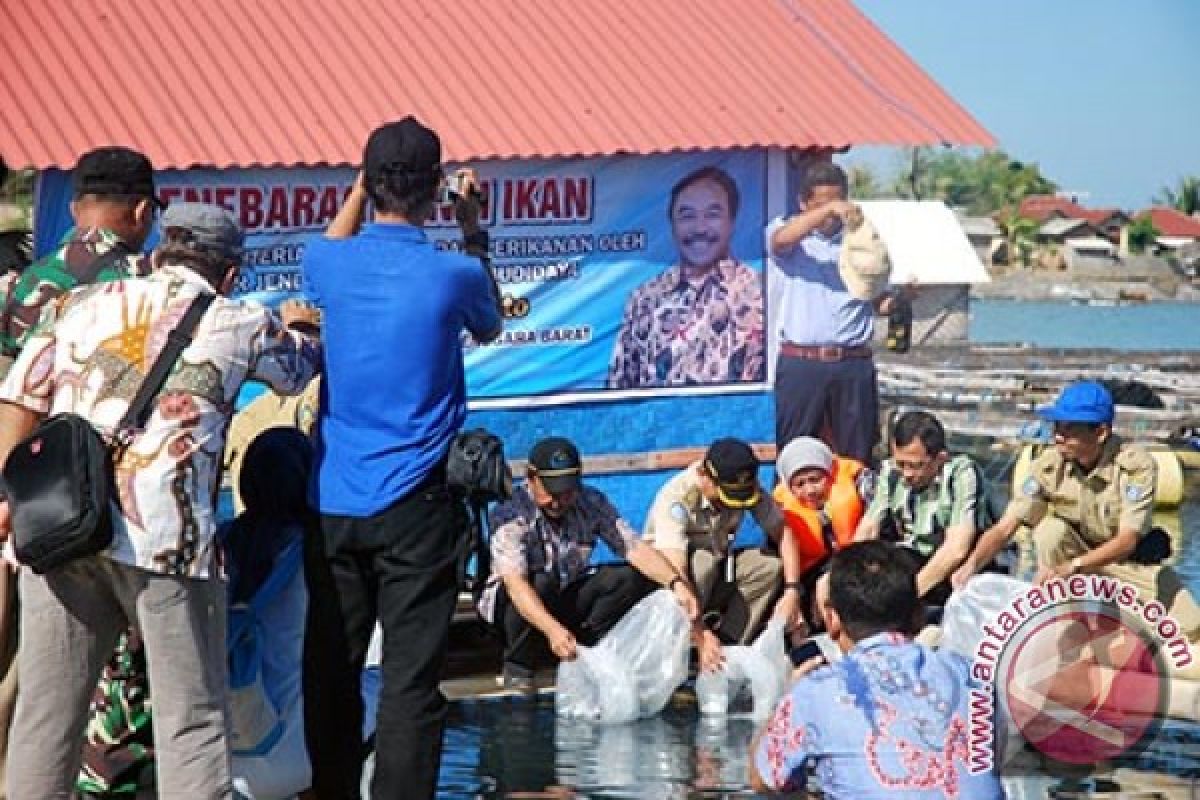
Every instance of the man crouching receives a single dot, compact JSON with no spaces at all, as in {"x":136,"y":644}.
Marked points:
{"x":542,"y":591}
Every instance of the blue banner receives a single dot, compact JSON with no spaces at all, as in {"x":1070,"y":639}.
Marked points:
{"x":626,"y":272}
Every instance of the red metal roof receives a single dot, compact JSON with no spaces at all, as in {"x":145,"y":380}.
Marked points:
{"x":1170,"y":222}
{"x":235,"y":83}
{"x":1041,"y":207}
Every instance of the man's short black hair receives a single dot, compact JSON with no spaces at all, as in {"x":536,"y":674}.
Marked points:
{"x":825,"y":173}
{"x":714,"y":174}
{"x":920,"y":425}
{"x":873,"y":588}
{"x":403,"y":192}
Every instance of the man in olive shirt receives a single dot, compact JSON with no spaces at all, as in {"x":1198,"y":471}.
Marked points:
{"x":1090,"y":499}
{"x":693,"y":521}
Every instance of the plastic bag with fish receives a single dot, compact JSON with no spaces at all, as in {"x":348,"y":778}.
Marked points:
{"x":633,"y":670}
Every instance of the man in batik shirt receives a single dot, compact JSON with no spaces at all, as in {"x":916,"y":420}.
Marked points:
{"x":701,"y":321}
{"x":891,"y":717}
{"x":113,"y":208}
{"x":160,"y":572}
{"x":542,"y":593}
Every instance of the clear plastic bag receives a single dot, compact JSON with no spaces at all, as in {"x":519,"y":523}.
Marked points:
{"x":753,"y":679}
{"x":633,"y":670}
{"x":977,"y":604}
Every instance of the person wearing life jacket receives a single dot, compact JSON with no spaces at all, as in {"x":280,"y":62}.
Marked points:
{"x":927,"y":499}
{"x":823,"y":498}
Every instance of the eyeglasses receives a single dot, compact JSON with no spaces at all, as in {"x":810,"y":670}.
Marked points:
{"x":913,"y":466}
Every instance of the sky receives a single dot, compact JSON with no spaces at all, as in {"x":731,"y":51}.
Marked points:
{"x":1104,"y":95}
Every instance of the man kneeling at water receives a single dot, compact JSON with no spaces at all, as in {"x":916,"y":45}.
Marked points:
{"x":542,"y":591}
{"x":891,"y":715}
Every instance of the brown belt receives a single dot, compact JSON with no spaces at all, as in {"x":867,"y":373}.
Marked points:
{"x":828,"y":353}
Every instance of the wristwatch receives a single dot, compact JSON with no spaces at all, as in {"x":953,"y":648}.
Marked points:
{"x":671,"y":583}
{"x":791,"y":585}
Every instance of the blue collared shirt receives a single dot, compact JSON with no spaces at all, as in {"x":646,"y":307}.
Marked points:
{"x":889,"y":720}
{"x":394,"y":393}
{"x":815,"y":308}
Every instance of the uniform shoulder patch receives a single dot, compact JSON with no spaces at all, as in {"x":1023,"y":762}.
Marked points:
{"x":1135,"y":493}
{"x":1031,"y":488}
{"x":1131,"y":458}
{"x":678,"y":512}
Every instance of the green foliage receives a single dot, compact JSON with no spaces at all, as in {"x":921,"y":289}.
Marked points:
{"x":1183,"y":196}
{"x":863,"y":184}
{"x":982,"y":184}
{"x":1020,"y":235}
{"x":1142,"y":234}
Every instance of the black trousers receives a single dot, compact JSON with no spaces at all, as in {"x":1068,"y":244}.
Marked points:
{"x":588,"y":608}
{"x":844,"y":394}
{"x":399,"y":566}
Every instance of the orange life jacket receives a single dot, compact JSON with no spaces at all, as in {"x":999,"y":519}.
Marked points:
{"x":844,"y":507}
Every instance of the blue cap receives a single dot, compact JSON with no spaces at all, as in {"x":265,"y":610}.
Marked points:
{"x":1083,"y":401}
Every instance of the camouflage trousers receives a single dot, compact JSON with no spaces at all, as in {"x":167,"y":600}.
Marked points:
{"x":118,"y":751}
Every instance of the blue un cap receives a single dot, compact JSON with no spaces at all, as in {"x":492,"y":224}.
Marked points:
{"x":1083,"y":401}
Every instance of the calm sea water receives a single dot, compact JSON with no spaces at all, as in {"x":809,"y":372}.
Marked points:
{"x":1154,"y":326}
{"x":519,"y":749}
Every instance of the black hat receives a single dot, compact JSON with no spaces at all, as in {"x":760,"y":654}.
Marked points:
{"x":114,"y":170}
{"x":406,"y":146}
{"x":734,"y":468}
{"x":557,"y":465}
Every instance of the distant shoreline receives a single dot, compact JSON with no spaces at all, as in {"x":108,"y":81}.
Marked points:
{"x":1031,"y":286}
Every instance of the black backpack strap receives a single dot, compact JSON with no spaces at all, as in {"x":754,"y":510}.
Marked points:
{"x":177,"y":341}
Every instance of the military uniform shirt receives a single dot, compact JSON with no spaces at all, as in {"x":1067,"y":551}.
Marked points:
{"x":682,"y":515}
{"x":1118,"y":494}
{"x":29,"y":303}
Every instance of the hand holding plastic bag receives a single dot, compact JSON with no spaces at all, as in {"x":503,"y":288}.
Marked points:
{"x":760,"y":669}
{"x":633,"y":670}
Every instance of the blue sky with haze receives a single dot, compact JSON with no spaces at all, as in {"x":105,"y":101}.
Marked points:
{"x":1103,"y":94}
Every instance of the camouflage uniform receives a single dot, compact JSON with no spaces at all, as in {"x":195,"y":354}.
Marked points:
{"x":118,"y":753}
{"x":87,"y":255}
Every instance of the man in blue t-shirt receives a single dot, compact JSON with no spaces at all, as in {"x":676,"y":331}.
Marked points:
{"x":392,"y":400}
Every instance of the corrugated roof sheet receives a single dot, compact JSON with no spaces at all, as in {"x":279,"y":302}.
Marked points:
{"x":235,"y":83}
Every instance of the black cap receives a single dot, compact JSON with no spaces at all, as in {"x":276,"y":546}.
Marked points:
{"x":406,"y":146}
{"x":557,"y":465}
{"x":734,"y":468}
{"x":114,"y":171}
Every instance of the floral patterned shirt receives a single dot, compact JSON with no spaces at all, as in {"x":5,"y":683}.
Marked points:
{"x":889,"y":720}
{"x":677,"y":333}
{"x":525,"y":541}
{"x":91,"y":363}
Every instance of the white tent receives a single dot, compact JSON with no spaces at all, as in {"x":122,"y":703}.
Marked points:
{"x":926,"y":242}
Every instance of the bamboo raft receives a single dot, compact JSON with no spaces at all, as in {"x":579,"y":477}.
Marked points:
{"x":993,"y":392}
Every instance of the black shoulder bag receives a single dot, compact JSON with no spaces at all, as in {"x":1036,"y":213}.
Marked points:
{"x":59,"y":480}
{"x":477,"y":471}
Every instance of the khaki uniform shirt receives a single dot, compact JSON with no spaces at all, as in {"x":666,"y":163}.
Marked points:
{"x":681,"y":515}
{"x":1118,"y":494}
